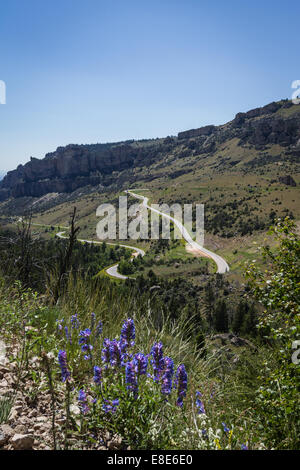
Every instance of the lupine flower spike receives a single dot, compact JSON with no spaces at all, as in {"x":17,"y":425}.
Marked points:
{"x":116,"y":356}
{"x":83,"y":402}
{"x":74,"y":322}
{"x":157,"y":360}
{"x":167,"y":376}
{"x":84,"y":341}
{"x":141,"y":363}
{"x":128,"y":334}
{"x":62,"y":359}
{"x":110,"y":407}
{"x":181,"y":381}
{"x":97,"y":375}
{"x":131,"y":378}
{"x":106,"y":352}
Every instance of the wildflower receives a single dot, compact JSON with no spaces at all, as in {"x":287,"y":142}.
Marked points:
{"x":204,"y":434}
{"x":128,"y":333}
{"x":84,"y":341}
{"x":226,"y":429}
{"x":141,"y":363}
{"x":97,"y":375}
{"x":68,"y":336}
{"x":110,"y":407}
{"x":62,"y":359}
{"x":116,"y":356}
{"x":74,"y":322}
{"x":181,"y":382}
{"x":167,"y":376}
{"x":84,"y":335}
{"x":99,"y":329}
{"x":217,"y":442}
{"x":60,"y":325}
{"x":199,"y":403}
{"x":157,"y":360}
{"x":106,"y":351}
{"x":83,"y":403}
{"x":131,"y":378}
{"x":244,"y":447}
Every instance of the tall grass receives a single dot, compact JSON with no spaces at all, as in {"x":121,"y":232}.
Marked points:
{"x":149,"y":422}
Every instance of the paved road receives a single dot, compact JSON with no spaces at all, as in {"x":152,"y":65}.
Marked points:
{"x":112,"y":270}
{"x":222,"y":266}
{"x":220,"y":262}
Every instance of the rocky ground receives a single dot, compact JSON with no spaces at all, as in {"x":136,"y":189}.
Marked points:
{"x":26,"y":422}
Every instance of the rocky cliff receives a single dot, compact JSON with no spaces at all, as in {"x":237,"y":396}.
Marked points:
{"x":74,"y":166}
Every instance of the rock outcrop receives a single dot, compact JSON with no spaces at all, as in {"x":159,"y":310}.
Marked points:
{"x":67,"y":169}
{"x":206,"y":130}
{"x":75,"y":166}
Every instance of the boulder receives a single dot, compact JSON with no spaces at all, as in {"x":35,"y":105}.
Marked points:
{"x":22,"y":441}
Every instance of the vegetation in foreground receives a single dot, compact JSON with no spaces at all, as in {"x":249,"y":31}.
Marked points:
{"x":135,"y":370}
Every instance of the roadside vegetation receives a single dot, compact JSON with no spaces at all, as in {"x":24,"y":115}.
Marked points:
{"x":156,"y":363}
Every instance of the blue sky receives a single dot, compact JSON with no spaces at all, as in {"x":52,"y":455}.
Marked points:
{"x":108,"y":70}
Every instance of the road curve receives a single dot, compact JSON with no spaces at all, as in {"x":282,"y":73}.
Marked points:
{"x":222,"y":266}
{"x":112,"y":270}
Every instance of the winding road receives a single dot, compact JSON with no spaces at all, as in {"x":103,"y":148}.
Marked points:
{"x":112,"y":270}
{"x":222,"y":266}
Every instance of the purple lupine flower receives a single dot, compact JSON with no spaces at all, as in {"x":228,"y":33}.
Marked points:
{"x":225,"y":427}
{"x":131,"y":378}
{"x":97,"y":375}
{"x":62,"y":359}
{"x":157,"y":360}
{"x":74,"y":322}
{"x":110,"y":407}
{"x":68,"y":335}
{"x":83,"y":402}
{"x":244,"y":447}
{"x":86,"y":347}
{"x":128,"y":333}
{"x":167,"y":376}
{"x":199,"y":403}
{"x":84,"y":337}
{"x":99,"y":329}
{"x":106,"y":351}
{"x":141,"y":363}
{"x":181,"y":382}
{"x":204,"y":434}
{"x":116,"y":356}
{"x":60,"y":325}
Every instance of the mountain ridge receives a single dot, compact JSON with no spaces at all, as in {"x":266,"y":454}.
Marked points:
{"x":77,"y":165}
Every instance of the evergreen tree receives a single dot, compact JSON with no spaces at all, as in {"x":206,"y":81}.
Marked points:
{"x":221,"y":317}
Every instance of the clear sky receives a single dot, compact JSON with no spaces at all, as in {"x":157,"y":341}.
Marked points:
{"x":86,"y":71}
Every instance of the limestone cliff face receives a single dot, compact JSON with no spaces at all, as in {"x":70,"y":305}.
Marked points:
{"x":258,"y":127}
{"x":74,"y":166}
{"x":67,"y":169}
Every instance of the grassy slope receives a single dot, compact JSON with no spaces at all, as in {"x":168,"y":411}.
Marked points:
{"x":210,"y":179}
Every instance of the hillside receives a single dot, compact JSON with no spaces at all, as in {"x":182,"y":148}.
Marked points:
{"x":66,"y":305}
{"x":246,"y":172}
{"x":262,"y":136}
